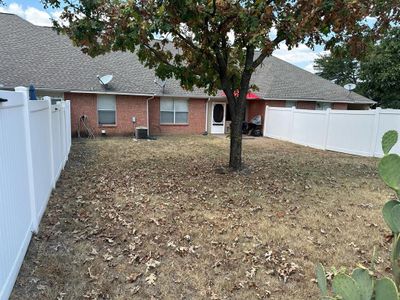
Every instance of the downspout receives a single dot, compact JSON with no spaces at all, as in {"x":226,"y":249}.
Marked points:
{"x":206,"y":127}
{"x":147,"y":111}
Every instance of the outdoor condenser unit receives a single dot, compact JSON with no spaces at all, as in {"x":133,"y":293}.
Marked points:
{"x":141,"y":133}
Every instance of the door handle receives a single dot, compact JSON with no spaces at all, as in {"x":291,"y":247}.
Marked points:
{"x":3,"y":100}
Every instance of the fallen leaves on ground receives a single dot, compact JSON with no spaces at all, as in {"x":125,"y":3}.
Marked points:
{"x":167,"y":220}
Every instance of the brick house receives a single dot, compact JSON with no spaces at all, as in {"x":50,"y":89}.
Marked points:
{"x":36,"y":55}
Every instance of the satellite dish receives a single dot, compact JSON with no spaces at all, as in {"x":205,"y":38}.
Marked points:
{"x":104,"y":80}
{"x":349,"y":86}
{"x":160,"y":84}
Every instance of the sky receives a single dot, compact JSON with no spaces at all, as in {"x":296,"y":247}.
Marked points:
{"x":33,"y":11}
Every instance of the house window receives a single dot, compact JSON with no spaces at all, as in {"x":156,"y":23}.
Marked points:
{"x":54,"y":100}
{"x":106,"y":109}
{"x":290,"y":103}
{"x":323,"y":105}
{"x":174,"y":111}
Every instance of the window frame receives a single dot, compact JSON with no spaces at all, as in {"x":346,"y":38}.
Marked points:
{"x":54,"y":100}
{"x":323,"y":105}
{"x":174,"y":111}
{"x":114,"y":110}
{"x":292,"y":102}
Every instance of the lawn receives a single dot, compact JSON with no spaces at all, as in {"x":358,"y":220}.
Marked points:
{"x":164,"y":220}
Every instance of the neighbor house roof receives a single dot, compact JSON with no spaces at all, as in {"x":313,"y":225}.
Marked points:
{"x":37,"y":55}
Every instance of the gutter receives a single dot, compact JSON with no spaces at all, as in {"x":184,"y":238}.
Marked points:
{"x":319,"y":100}
{"x":109,"y":93}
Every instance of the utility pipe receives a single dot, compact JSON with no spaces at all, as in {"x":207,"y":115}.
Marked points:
{"x":206,"y":127}
{"x":147,"y":110}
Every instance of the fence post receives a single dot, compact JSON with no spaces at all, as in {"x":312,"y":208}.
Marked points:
{"x":375,"y":131}
{"x":327,"y":116}
{"x":32,"y":200}
{"x":292,"y":110}
{"x":64,"y":129}
{"x":62,"y":138}
{"x":50,"y":124}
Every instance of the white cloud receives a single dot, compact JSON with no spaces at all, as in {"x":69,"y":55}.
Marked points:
{"x":13,"y":8}
{"x":310,"y":68}
{"x":31,"y":14}
{"x":301,"y":56}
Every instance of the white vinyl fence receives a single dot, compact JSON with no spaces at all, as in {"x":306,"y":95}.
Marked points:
{"x":35,"y":138}
{"x":349,"y":131}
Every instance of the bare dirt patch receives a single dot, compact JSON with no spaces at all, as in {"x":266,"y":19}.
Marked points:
{"x":154,"y":220}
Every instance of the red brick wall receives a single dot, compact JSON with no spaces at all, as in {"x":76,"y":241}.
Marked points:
{"x":197,"y":119}
{"x":257,"y":107}
{"x":305,"y":105}
{"x":126,"y":108}
{"x":342,"y":106}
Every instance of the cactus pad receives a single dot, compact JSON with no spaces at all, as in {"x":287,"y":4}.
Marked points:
{"x":364,"y":282}
{"x":387,"y":214}
{"x":389,"y":170}
{"x":321,"y":279}
{"x":389,"y":139}
{"x":385,"y":289}
{"x":395,"y":216}
{"x":346,"y":287}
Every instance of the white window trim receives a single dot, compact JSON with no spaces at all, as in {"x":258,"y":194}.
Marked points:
{"x":114,"y":110}
{"x":174,"y":111}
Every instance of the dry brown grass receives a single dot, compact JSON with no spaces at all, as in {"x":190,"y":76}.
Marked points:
{"x":120,"y":205}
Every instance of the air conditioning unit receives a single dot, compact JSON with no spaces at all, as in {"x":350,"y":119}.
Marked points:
{"x":141,"y":133}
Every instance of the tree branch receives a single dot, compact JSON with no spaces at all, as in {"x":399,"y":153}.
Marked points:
{"x":247,"y":72}
{"x":266,"y":51}
{"x":157,"y":54}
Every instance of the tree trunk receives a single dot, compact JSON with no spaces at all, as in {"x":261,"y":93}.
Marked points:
{"x":237,"y":106}
{"x":235,"y":157}
{"x":237,"y":110}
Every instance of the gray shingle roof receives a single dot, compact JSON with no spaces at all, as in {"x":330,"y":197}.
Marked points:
{"x":36,"y":55}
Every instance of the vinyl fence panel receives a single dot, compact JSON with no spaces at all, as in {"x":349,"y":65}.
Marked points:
{"x":389,"y":119}
{"x":351,"y":131}
{"x":34,"y":146}
{"x":57,"y":140}
{"x":309,"y":131}
{"x":41,"y":153}
{"x":15,"y":206}
{"x":354,"y":132}
{"x":279,"y":125}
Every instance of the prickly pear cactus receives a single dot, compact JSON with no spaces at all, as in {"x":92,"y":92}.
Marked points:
{"x":321,"y":279}
{"x":364,"y":281}
{"x":385,"y":289}
{"x":362,"y":285}
{"x":389,"y":166}
{"x":389,"y":139}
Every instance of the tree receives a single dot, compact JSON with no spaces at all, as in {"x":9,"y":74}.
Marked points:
{"x":376,"y":73}
{"x":380,"y":71}
{"x":218,"y":43}
{"x":340,"y":68}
